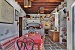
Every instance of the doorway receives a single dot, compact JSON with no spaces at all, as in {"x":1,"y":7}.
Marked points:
{"x":20,"y":26}
{"x":46,"y":31}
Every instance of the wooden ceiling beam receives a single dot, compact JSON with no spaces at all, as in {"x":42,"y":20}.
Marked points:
{"x":43,"y":3}
{"x":27,"y":10}
{"x":38,"y":7}
{"x":48,"y":1}
{"x":32,"y":9}
{"x":49,"y":5}
{"x":42,"y":0}
{"x":36,"y":11}
{"x":19,"y":0}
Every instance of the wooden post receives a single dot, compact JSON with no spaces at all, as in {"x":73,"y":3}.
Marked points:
{"x":20,"y":26}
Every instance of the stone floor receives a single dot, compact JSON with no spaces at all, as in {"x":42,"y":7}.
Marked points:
{"x":50,"y":45}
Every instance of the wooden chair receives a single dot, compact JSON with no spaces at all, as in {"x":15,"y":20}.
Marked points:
{"x":20,"y":45}
{"x":29,"y":43}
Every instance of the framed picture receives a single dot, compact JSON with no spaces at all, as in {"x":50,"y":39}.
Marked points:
{"x":6,"y":12}
{"x":16,"y":15}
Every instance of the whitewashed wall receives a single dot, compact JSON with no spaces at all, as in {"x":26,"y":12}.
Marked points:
{"x":31,"y":21}
{"x":12,"y":28}
{"x":73,"y":6}
{"x":69,"y":26}
{"x":36,"y":15}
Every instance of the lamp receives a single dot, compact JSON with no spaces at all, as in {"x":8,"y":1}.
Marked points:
{"x":26,"y":3}
{"x":41,"y":9}
{"x":29,"y":3}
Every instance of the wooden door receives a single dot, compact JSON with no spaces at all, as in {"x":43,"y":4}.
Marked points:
{"x":20,"y":26}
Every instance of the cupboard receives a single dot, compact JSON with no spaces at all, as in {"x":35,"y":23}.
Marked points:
{"x":54,"y":36}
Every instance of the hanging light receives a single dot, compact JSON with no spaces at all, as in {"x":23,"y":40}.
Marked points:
{"x":29,"y":3}
{"x":26,"y":3}
{"x":41,"y":9}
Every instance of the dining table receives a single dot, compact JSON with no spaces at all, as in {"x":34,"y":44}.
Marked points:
{"x":36,"y":37}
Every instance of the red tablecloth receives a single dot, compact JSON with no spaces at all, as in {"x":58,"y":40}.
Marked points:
{"x":37,"y":39}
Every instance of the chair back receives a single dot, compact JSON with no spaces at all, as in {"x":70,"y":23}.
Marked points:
{"x":20,"y":45}
{"x":29,"y":43}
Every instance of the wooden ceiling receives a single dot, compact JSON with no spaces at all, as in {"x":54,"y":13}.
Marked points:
{"x":49,"y":6}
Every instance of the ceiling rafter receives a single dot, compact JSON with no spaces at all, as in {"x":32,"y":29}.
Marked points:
{"x":43,"y":3}
{"x":42,"y":0}
{"x":49,"y":5}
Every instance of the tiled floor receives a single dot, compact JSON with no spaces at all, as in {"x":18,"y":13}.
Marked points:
{"x":49,"y":45}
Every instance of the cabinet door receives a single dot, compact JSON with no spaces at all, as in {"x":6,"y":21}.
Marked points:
{"x":56,"y":36}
